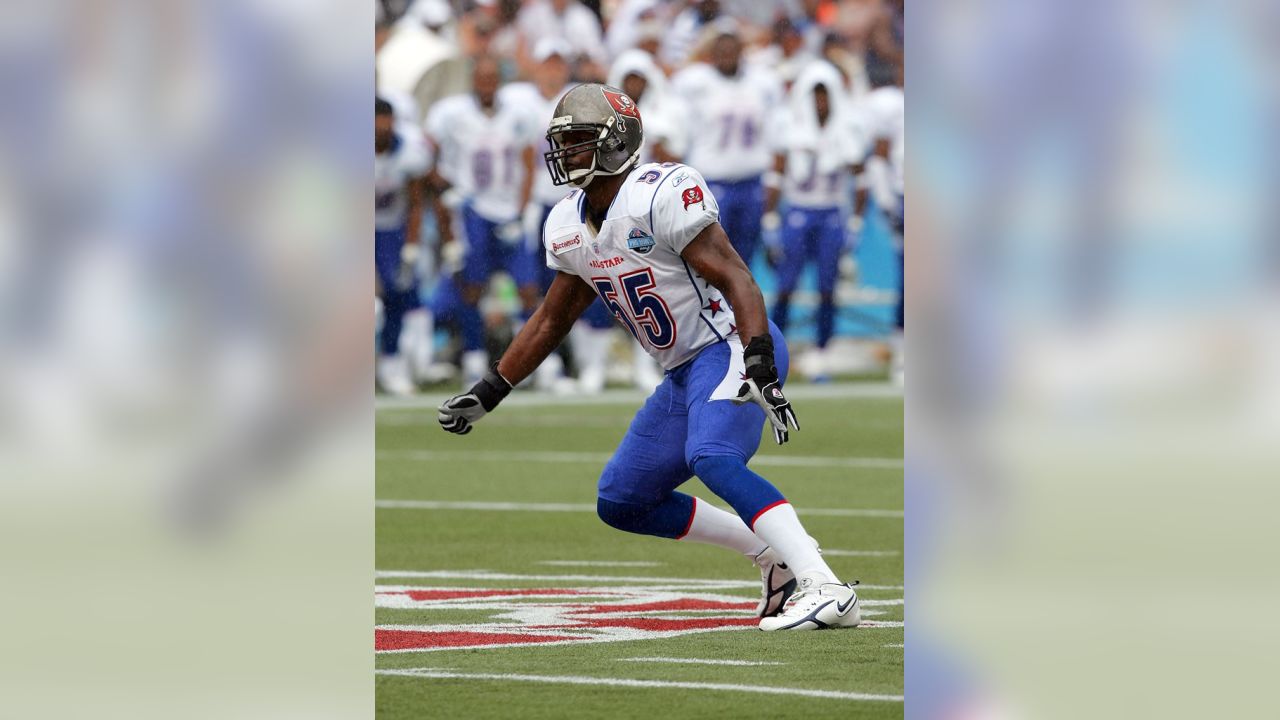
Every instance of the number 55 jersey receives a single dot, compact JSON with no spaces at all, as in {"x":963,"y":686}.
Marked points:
{"x":634,"y":263}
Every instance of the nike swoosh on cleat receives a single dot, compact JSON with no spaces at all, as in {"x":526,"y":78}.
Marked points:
{"x":811,"y":617}
{"x":842,"y":609}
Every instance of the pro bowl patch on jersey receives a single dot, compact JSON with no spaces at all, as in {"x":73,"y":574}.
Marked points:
{"x":639,"y":241}
{"x":691,"y":196}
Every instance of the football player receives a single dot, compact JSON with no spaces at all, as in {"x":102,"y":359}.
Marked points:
{"x":551,"y":58}
{"x":646,"y":240}
{"x":731,"y":111}
{"x":485,"y":151}
{"x":399,"y":170}
{"x":817,"y":159}
{"x":882,"y":114}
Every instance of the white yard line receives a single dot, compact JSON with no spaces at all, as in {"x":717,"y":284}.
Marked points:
{"x":600,"y":563}
{"x":431,"y":673}
{"x":696,"y":661}
{"x":860,"y":553}
{"x":599,"y":458}
{"x":892,"y":645}
{"x":676,"y":581}
{"x":838,"y":391}
{"x":585,"y":507}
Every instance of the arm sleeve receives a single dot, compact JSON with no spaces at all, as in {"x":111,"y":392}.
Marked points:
{"x":437,"y":123}
{"x":417,"y":152}
{"x":682,"y":208}
{"x":556,"y":234}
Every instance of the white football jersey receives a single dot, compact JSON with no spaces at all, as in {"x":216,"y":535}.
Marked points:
{"x":818,"y":156}
{"x":634,"y":264}
{"x":883,"y":113}
{"x":392,"y":171}
{"x":540,"y":109}
{"x":729,"y":119}
{"x":481,"y":154}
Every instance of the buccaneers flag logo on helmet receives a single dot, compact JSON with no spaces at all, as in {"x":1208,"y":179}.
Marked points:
{"x":623,"y":104}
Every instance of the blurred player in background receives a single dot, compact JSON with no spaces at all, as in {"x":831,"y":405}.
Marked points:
{"x":818,"y":155}
{"x":646,"y":240}
{"x":485,"y":151}
{"x":400,"y":166}
{"x":882,"y":115}
{"x":550,"y":82}
{"x":731,"y":111}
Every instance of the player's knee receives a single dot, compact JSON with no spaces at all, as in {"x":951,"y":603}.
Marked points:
{"x":714,"y":468}
{"x":623,"y":516}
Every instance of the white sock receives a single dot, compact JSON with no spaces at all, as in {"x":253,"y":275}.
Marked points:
{"x":475,"y":363}
{"x":417,"y":340}
{"x":716,"y":527}
{"x":550,"y":371}
{"x":591,"y":353}
{"x":781,"y":529}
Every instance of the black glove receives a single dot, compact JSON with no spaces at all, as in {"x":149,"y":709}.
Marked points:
{"x":461,"y":411}
{"x":764,"y":389}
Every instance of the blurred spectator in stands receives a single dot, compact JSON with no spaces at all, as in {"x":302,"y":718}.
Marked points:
{"x":420,"y":57}
{"x":570,"y":21}
{"x":885,"y":41}
{"x":686,"y":30}
{"x":786,"y":54}
{"x":489,"y":29}
{"x":634,"y":20}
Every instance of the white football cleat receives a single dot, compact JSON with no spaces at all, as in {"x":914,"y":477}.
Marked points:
{"x":777,"y":583}
{"x":817,"y":605}
{"x":393,"y":376}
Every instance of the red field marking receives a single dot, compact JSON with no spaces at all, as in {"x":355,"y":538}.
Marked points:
{"x":462,"y":594}
{"x":404,"y":639}
{"x":665,"y":624}
{"x":638,"y":613}
{"x":668,"y":605}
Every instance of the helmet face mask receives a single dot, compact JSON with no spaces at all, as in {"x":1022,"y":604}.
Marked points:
{"x":561,"y":172}
{"x":595,"y":119}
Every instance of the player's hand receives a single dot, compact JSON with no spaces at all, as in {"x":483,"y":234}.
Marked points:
{"x":853,"y":232}
{"x":531,"y":223}
{"x":453,"y":253}
{"x":511,"y":233}
{"x":460,"y":412}
{"x":771,"y":234}
{"x":765,"y":389}
{"x":408,"y":267}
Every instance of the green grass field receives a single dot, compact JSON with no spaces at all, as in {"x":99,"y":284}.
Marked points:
{"x":501,"y":594}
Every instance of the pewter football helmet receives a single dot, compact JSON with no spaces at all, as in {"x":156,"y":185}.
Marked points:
{"x":610,"y":121}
